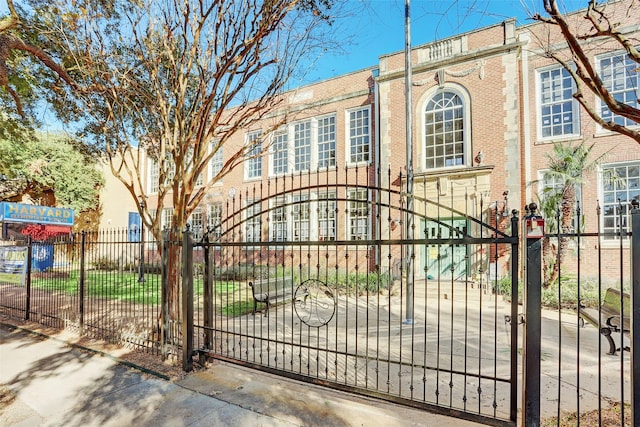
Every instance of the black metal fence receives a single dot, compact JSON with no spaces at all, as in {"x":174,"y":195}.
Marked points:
{"x":91,"y":282}
{"x":350,"y":314}
{"x":579,"y":345}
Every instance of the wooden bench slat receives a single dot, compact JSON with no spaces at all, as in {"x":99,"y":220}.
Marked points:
{"x":608,"y":319}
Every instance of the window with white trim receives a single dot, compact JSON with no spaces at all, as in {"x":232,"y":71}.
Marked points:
{"x":559,"y":111}
{"x":552,"y":186}
{"x":620,"y":76}
{"x":196,"y":222}
{"x":327,"y":142}
{"x":252,"y":220}
{"x":214,"y":220}
{"x":358,"y":214}
{"x":154,"y":177}
{"x":167,"y":218}
{"x":301,"y":214}
{"x":302,"y":146}
{"x":327,"y":208}
{"x":444,"y":131}
{"x":621,"y":184}
{"x":359,"y":135}
{"x":253,"y":153}
{"x":215,"y":165}
{"x":279,"y":220}
{"x":280,"y":155}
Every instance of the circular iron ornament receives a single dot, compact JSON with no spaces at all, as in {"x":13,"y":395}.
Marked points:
{"x":314,"y":303}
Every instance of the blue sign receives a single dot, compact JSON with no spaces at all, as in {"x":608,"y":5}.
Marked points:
{"x":134,"y":227}
{"x":19,"y":212}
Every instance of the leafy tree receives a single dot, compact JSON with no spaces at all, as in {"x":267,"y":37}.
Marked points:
{"x":52,"y":165}
{"x":567,"y":165}
{"x":175,"y":80}
{"x":585,"y":33}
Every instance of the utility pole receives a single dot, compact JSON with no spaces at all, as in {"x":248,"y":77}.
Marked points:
{"x":409,"y":154}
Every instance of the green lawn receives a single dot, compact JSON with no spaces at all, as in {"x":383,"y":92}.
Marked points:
{"x":119,"y":286}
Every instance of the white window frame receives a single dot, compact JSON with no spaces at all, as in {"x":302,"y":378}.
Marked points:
{"x":556,"y":105}
{"x":301,"y":217}
{"x":354,"y":136}
{"x":358,"y":214}
{"x":602,"y":107}
{"x":466,"y":129}
{"x":216,"y":162}
{"x":253,"y":229}
{"x":166,"y":221}
{"x":214,"y":219}
{"x":253,"y":163}
{"x":305,"y":157}
{"x":279,"y":220}
{"x":196,"y":222}
{"x":280,"y":153}
{"x":327,"y":217}
{"x":544,"y":182}
{"x":610,"y":192}
{"x":154,"y":176}
{"x":326,"y":142}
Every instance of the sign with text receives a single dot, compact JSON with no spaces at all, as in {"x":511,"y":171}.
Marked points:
{"x":19,"y":212}
{"x":13,"y":264}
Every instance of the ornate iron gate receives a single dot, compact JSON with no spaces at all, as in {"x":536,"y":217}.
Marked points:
{"x":312,"y":280}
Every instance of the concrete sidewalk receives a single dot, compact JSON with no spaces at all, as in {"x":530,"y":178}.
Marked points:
{"x":45,"y":382}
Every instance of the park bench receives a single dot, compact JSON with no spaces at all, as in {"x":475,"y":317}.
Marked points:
{"x":271,"y":291}
{"x":608,"y":319}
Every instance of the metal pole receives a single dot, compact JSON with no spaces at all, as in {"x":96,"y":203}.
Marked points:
{"x":635,"y":312}
{"x":515,"y":278}
{"x":82,"y":278}
{"x":532,"y":325}
{"x":187,"y":301}
{"x":409,"y":153}
{"x":28,"y":277}
{"x":141,"y":272}
{"x":164,"y":326}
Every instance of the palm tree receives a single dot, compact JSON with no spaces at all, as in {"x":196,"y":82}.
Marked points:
{"x":567,"y":167}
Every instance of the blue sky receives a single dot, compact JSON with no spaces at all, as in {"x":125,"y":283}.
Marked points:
{"x":378,"y":27}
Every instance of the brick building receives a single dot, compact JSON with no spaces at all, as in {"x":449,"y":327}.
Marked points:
{"x":487,"y":107}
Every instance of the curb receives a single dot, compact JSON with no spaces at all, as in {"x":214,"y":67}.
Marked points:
{"x":88,"y":349}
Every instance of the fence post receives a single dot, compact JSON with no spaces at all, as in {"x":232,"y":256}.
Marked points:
{"x":534,"y":230}
{"x":635,"y":312}
{"x":82,"y":283}
{"x":515,"y":280}
{"x":164,"y":295}
{"x":208,"y":294}
{"x":28,"y":278}
{"x":187,"y":301}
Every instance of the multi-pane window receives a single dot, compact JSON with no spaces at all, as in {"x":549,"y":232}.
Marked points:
{"x":620,"y":75}
{"x":301,"y":217}
{"x":167,"y":218}
{"x":444,"y":131}
{"x":302,"y":146}
{"x":551,"y":189}
{"x":214,"y":219}
{"x":559,"y":112}
{"x":621,"y":183}
{"x":358,"y":214}
{"x":215,"y":165}
{"x":280,"y":153}
{"x":254,"y":160}
{"x":252,"y":220}
{"x":327,"y":216}
{"x":279,"y":220}
{"x":327,"y":142}
{"x":359,"y":129}
{"x":154,"y":177}
{"x":197,"y":224}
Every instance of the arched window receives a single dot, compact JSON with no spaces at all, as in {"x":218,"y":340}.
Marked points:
{"x":444,"y":131}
